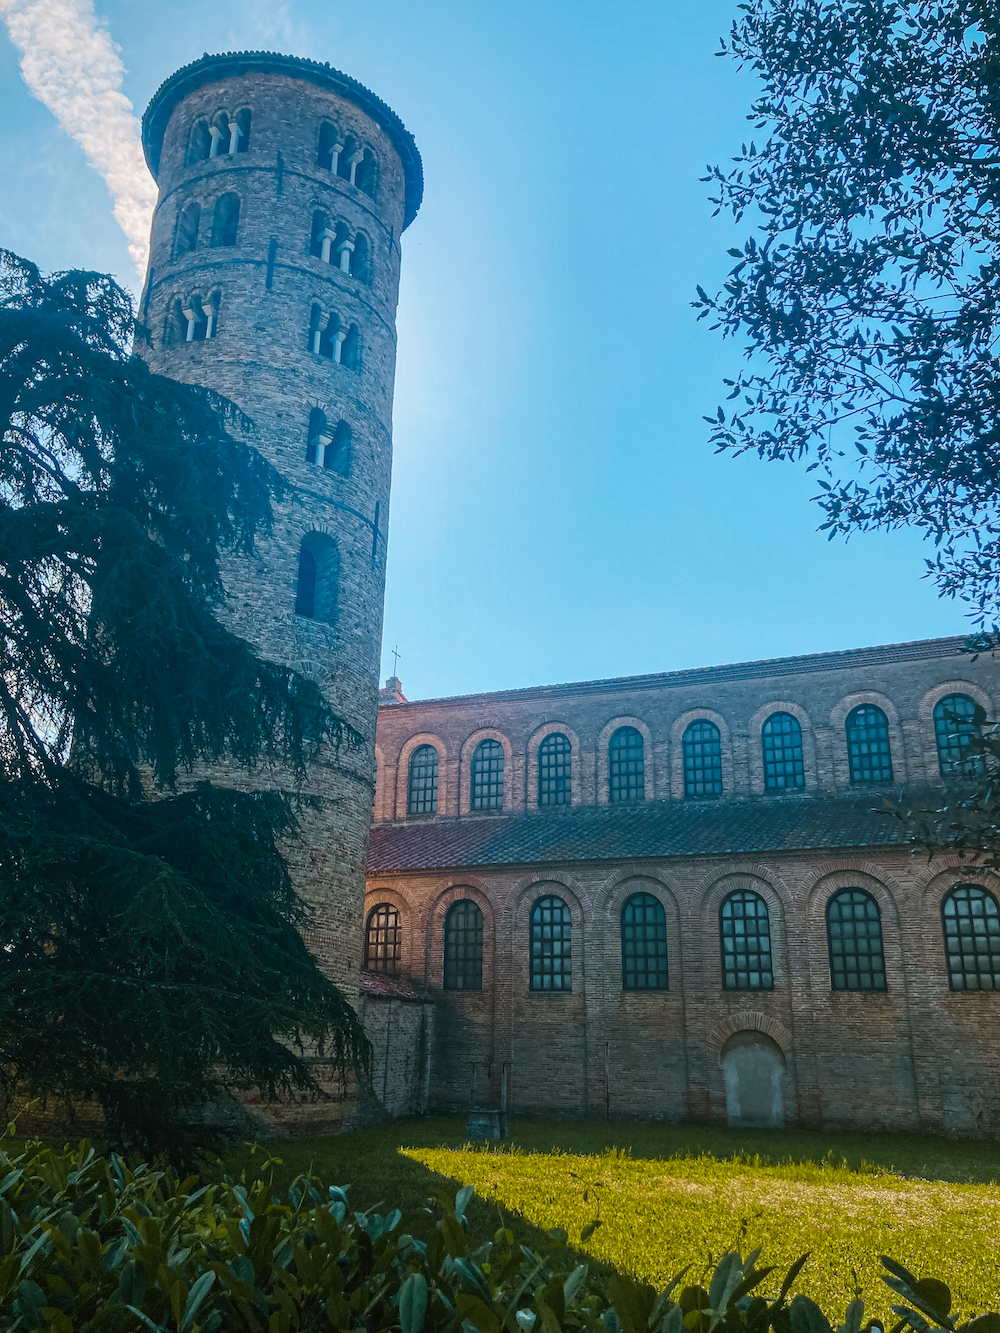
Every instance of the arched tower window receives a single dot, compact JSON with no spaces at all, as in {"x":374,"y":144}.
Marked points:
{"x":317,"y":437}
{"x":953,"y":729}
{"x":745,"y":937}
{"x":702,"y":752}
{"x":367,"y":171}
{"x":226,"y":219}
{"x":555,"y":757}
{"x":971,"y":924}
{"x":329,"y":148}
{"x":626,"y":767}
{"x":487,"y":776}
{"x":345,"y":168}
{"x":422,"y":781}
{"x":854,"y":936}
{"x":187,"y":229}
{"x":338,"y":451}
{"x":551,"y":945}
{"x":781,"y":742}
{"x":463,"y":946}
{"x":199,"y":318}
{"x":219,"y":135}
{"x":361,"y":259}
{"x":323,"y":331}
{"x":200,"y":145}
{"x":318,"y":577}
{"x":383,"y":940}
{"x":242,"y":134}
{"x":349,"y":354}
{"x":320,"y":224}
{"x":868,"y":751}
{"x":644,"y":943}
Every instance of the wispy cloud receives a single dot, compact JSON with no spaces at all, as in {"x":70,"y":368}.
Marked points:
{"x":71,"y":65}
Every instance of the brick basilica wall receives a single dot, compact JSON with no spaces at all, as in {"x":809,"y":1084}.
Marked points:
{"x":916,"y":1056}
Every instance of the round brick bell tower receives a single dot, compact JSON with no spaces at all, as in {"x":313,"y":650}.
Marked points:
{"x":284,"y":187}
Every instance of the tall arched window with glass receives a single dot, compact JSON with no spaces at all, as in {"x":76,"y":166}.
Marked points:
{"x":854,"y":937}
{"x":551,"y":945}
{"x":781,"y":743}
{"x":702,"y":752}
{"x":644,"y":943}
{"x":954,"y":728}
{"x":463,"y":946}
{"x":422,"y":781}
{"x":868,"y":752}
{"x":745,"y":935}
{"x":971,"y":924}
{"x":383,"y":940}
{"x":626,"y":766}
{"x":487,"y":776}
{"x":555,"y":770}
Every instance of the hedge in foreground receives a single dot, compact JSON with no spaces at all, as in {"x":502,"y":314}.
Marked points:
{"x":86,"y":1243}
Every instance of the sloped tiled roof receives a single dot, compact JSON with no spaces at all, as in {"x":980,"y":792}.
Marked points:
{"x":651,"y":829}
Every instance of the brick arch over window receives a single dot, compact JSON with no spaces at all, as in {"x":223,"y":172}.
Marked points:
{"x":422,"y":781}
{"x":765,"y":884}
{"x":467,"y":759}
{"x":527,"y":892}
{"x":755,"y":730}
{"x":838,"y":727}
{"x":603,"y":757}
{"x":678,"y":729}
{"x":970,"y":922}
{"x":928,"y":705}
{"x":467,"y":889}
{"x":383,"y":939}
{"x":556,"y":769}
{"x":403,"y":768}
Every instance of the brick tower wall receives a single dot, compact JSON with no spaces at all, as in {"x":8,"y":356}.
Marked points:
{"x":261,"y":284}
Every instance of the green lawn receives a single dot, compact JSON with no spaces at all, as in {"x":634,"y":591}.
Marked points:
{"x":674,"y":1195}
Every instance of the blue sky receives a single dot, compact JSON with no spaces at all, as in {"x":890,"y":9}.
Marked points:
{"x":556,"y":513}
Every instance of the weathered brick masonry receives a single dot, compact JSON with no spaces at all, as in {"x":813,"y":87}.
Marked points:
{"x":284,"y":189}
{"x":916,"y":1055}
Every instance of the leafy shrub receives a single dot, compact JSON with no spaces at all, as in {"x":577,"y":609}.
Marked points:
{"x":87,"y":1243}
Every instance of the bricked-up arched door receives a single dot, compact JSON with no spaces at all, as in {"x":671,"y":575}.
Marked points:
{"x":754,"y":1068}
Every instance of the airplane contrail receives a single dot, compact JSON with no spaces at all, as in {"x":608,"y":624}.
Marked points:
{"x":72,"y":66}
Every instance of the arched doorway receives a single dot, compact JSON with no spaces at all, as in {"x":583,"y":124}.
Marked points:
{"x":754,"y":1068}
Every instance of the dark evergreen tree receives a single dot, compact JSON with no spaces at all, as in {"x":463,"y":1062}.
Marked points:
{"x":150,"y":953}
{"x":868,"y":301}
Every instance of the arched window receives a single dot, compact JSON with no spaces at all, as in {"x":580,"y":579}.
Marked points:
{"x":555,"y":770}
{"x":323,"y":330}
{"x":868,"y":745}
{"x":854,"y":935}
{"x":187,"y":229}
{"x":348,"y":349}
{"x":242,"y":142}
{"x":219,"y":135}
{"x":383,"y":940}
{"x":201,"y":142}
{"x":360,"y":259}
{"x":320,"y":225}
{"x":422,"y":781}
{"x":346,"y":168}
{"x":364,"y":177}
{"x":318,"y":577}
{"x":338,"y":450}
{"x":316,"y":437}
{"x":487,"y":776}
{"x":953,"y":727}
{"x":745,"y":932}
{"x":971,"y":938}
{"x":329,"y":147}
{"x":702,"y":752}
{"x":781,"y":741}
{"x":551,"y":945}
{"x":226,"y":220}
{"x":197,"y":318}
{"x":463,"y":946}
{"x":626,"y":769}
{"x":644,"y":943}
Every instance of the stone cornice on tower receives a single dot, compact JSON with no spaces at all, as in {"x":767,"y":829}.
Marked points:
{"x":209,"y":69}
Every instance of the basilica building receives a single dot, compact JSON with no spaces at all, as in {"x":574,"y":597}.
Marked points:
{"x":680,"y":896}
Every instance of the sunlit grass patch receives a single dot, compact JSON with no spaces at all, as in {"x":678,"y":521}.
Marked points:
{"x":658,"y":1215}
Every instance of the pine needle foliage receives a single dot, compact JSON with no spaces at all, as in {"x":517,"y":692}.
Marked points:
{"x":150,"y":945}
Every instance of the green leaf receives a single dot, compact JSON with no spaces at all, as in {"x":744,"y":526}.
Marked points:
{"x":807,"y":1317}
{"x":633,"y":1302}
{"x":413,"y":1303}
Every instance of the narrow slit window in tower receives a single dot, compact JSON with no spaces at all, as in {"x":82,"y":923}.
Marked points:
{"x":338,"y":450}
{"x":187,"y":229}
{"x":364,"y":177}
{"x":317,"y":438}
